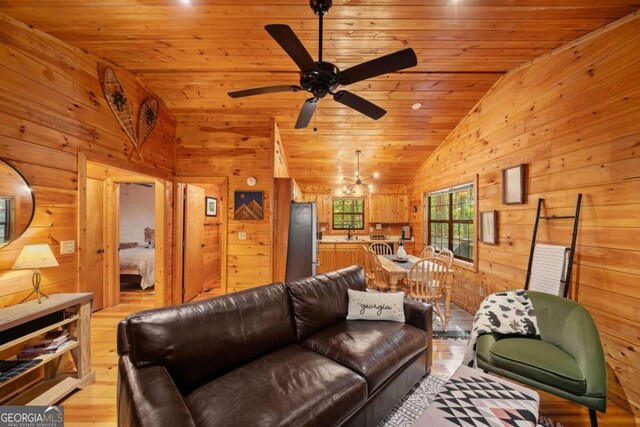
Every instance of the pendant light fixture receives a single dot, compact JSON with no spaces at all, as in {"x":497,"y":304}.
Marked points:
{"x":359,"y":181}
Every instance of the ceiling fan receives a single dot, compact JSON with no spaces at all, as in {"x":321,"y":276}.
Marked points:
{"x":359,"y":181}
{"x":321,"y":78}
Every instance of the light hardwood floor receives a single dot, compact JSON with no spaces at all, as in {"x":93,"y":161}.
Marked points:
{"x":96,"y":404}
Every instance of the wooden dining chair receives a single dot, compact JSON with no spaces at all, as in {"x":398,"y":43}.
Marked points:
{"x":427,"y":279}
{"x":428,"y":252}
{"x":368,"y":267}
{"x":381,"y":248}
{"x":447,"y":256}
{"x":380,"y":281}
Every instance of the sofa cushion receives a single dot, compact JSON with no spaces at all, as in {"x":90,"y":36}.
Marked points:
{"x":322,"y":301}
{"x":539,"y":360}
{"x":290,"y":387}
{"x":201,"y":340}
{"x":375,"y":349}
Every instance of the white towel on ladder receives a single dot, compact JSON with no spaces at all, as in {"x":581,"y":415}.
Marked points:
{"x":548,"y":269}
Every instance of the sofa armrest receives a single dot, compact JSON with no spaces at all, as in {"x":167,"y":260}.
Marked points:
{"x":147,"y":396}
{"x":421,"y":316}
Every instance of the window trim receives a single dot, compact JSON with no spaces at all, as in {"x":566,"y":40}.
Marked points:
{"x":470,"y":263}
{"x":333,"y":214}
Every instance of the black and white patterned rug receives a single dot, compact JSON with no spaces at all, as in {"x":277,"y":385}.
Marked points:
{"x":418,"y":399}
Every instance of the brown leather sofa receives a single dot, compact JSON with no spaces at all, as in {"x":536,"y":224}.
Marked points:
{"x":276,"y":355}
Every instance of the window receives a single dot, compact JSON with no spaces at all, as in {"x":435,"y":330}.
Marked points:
{"x":348,"y":212}
{"x":5,"y":214}
{"x":450,"y":215}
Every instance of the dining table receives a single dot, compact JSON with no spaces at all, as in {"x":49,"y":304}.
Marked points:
{"x":397,"y":273}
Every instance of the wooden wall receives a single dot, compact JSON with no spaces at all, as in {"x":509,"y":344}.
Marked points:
{"x":573,"y":117}
{"x":52,"y":108}
{"x":235,"y":147}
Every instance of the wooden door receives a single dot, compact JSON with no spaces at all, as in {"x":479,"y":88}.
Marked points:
{"x":193,"y":258}
{"x":94,"y":250}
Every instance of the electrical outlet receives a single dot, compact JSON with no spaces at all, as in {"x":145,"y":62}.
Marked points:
{"x":323,"y":229}
{"x":481,"y":291}
{"x":242,"y":235}
{"x":378,"y":226}
{"x":67,"y":247}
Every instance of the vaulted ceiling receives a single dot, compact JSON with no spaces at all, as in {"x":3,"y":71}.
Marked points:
{"x":191,"y":53}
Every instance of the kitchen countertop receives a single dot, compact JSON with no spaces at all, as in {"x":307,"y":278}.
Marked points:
{"x":340,"y":240}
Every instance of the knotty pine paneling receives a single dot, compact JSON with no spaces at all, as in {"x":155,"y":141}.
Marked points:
{"x":572,"y":118}
{"x":52,"y":108}
{"x":191,"y":58}
{"x":236,"y":149}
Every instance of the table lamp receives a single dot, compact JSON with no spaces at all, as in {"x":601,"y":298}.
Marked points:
{"x":35,"y":257}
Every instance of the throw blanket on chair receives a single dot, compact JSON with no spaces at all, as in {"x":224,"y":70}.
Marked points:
{"x":506,"y":313}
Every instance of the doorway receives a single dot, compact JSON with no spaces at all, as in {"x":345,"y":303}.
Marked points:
{"x":101,"y":235}
{"x":200,"y":262}
{"x":136,"y":247}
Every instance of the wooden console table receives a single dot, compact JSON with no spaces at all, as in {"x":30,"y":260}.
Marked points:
{"x":53,"y":385}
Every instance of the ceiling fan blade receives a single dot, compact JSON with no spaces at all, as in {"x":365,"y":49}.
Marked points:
{"x":360,"y":104}
{"x":306,"y":113}
{"x":287,"y":39}
{"x":263,"y":90}
{"x":400,"y":60}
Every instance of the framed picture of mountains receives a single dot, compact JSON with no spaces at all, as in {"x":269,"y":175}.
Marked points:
{"x":248,"y":205}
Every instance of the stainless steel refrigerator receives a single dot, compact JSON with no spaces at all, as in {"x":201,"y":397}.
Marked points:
{"x":302,"y":252}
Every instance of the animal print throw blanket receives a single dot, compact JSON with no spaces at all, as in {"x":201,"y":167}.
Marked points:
{"x":507,"y":313}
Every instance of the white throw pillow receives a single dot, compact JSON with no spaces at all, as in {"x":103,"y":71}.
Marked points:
{"x":376,"y":306}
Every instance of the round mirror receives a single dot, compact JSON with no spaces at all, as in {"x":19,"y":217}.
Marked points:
{"x":17,"y":204}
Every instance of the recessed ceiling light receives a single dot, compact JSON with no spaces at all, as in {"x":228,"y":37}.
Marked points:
{"x":186,"y":1}
{"x":416,"y":106}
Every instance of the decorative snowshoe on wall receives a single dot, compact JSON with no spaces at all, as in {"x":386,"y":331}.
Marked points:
{"x":117,"y":100}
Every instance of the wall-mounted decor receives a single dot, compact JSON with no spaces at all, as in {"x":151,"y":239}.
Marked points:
{"x":248,"y":205}
{"x":211,"y":206}
{"x":147,"y":119}
{"x":117,"y":100}
{"x":488,"y":230}
{"x":17,"y":204}
{"x":513,"y":185}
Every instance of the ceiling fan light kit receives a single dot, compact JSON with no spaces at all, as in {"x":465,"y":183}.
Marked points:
{"x":321,"y":78}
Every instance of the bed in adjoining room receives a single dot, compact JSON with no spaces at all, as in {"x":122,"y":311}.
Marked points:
{"x":139,"y":261}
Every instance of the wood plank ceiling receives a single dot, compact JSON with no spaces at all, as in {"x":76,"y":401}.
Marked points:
{"x":191,"y":53}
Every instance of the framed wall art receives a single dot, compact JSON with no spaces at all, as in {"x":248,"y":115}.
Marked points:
{"x":211,"y":206}
{"x":513,"y":185}
{"x":488,"y":227}
{"x":248,"y":205}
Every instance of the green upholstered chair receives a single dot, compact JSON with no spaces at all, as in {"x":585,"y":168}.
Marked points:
{"x":566,"y":359}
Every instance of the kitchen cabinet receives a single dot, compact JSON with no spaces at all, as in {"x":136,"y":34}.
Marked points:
{"x":325,"y":208}
{"x":326,"y":258}
{"x":389,"y":208}
{"x":340,"y":255}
